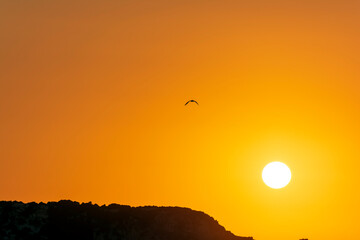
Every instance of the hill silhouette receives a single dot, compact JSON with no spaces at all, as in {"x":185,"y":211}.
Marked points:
{"x":71,"y":220}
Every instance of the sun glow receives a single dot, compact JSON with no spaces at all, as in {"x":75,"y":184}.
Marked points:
{"x":276,"y":175}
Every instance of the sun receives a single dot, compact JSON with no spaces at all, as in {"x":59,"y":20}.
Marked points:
{"x":276,"y":175}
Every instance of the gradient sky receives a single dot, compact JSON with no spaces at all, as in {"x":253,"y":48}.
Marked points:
{"x":92,"y":100}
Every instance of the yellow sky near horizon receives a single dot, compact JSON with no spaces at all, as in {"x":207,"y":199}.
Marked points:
{"x":92,"y":100}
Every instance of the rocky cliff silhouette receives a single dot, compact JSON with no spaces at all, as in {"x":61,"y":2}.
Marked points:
{"x":70,"y":220}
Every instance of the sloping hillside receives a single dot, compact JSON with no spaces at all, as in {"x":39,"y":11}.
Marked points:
{"x":71,"y":220}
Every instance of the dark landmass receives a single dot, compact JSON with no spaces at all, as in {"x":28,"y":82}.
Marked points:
{"x":70,"y":220}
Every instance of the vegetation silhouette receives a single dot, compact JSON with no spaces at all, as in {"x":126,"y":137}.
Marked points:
{"x":71,"y":220}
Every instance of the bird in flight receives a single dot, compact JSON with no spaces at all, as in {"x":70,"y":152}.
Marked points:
{"x":191,"y":101}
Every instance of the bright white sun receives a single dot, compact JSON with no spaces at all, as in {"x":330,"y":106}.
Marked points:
{"x":276,"y":175}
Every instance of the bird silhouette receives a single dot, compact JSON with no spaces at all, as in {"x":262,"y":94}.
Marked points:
{"x":191,"y":101}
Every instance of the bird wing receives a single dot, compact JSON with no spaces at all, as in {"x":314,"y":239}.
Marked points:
{"x":191,"y":101}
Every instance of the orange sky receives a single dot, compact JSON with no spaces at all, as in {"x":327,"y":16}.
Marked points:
{"x":92,"y":95}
